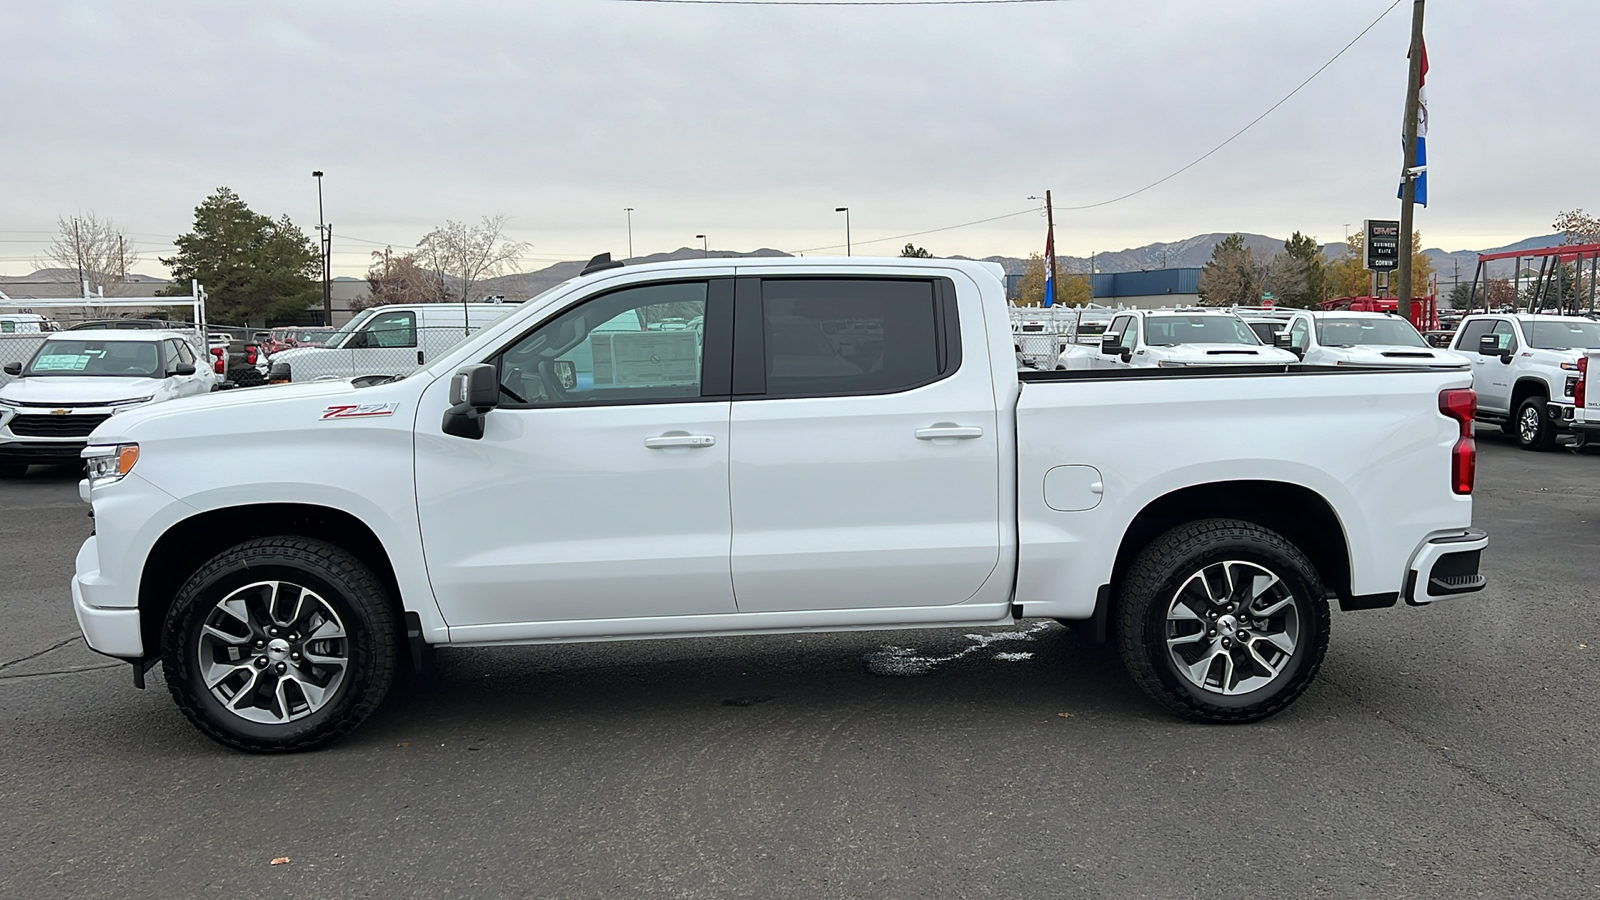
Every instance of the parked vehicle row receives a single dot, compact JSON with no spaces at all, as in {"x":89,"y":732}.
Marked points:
{"x":833,"y":445}
{"x":1527,"y":370}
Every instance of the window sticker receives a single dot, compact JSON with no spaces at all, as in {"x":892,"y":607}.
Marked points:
{"x":62,"y":362}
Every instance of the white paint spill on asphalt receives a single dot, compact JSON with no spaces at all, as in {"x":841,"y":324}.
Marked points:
{"x":893,"y":661}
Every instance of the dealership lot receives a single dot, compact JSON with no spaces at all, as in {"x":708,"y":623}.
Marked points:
{"x":1443,"y":752}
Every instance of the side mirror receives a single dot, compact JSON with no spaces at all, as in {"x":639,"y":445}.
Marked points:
{"x":1283,"y":340}
{"x":183,"y":369}
{"x":474,"y":391}
{"x":1110,"y":343}
{"x":13,"y":368}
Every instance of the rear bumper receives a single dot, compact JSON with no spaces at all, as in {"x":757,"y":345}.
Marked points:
{"x":1446,"y":566}
{"x":113,"y":631}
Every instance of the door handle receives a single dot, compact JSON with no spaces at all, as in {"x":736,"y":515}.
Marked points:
{"x":693,"y":441}
{"x":419,"y":357}
{"x":945,"y":432}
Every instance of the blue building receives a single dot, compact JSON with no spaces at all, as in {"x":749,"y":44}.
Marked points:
{"x":1149,"y":289}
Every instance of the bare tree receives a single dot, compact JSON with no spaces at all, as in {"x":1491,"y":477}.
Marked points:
{"x":460,"y":255}
{"x":396,"y":278}
{"x":93,"y":250}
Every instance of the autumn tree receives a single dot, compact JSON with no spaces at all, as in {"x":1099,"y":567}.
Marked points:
{"x":1421,"y":267}
{"x":91,"y":249}
{"x":912,"y":251}
{"x":1070,"y":290}
{"x":1347,"y":276}
{"x":1577,"y":228}
{"x":1233,"y":276}
{"x":396,"y":278}
{"x":252,"y":266}
{"x":463,"y":255}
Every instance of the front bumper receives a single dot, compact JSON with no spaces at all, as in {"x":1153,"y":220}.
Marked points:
{"x":42,"y":453}
{"x":1446,"y":566}
{"x":113,"y":631}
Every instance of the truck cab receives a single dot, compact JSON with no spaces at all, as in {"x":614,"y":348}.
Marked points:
{"x":1525,"y":368}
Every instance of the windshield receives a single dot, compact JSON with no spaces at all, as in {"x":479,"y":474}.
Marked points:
{"x":123,"y":359}
{"x":343,"y":334}
{"x":1170,"y":331}
{"x":1564,"y":335}
{"x":1380,"y":332}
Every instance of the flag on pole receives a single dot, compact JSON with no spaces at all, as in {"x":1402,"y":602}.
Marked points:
{"x":1049,"y":283}
{"x":1422,"y":130}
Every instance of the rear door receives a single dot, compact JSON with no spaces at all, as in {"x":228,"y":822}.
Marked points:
{"x":864,"y":459}
{"x":386,"y":344}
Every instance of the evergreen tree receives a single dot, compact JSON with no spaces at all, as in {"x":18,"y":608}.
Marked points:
{"x":252,"y":266}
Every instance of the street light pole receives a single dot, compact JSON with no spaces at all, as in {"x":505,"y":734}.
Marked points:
{"x":846,"y":211}
{"x":326,"y":235}
{"x":705,"y":245}
{"x":629,"y":211}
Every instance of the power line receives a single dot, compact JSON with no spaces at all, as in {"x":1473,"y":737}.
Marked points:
{"x":1201,"y":158}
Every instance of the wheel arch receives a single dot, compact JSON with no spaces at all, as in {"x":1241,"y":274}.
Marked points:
{"x":1527,"y":386}
{"x":1304,"y":517}
{"x":187,"y":544}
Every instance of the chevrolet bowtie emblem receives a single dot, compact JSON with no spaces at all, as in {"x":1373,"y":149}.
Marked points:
{"x":58,"y":412}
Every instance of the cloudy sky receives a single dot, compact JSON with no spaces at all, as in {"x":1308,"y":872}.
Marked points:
{"x":751,"y":123}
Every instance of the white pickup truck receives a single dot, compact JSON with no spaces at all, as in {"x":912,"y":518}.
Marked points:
{"x":1525,"y":370}
{"x":1172,"y":338}
{"x":841,"y":444}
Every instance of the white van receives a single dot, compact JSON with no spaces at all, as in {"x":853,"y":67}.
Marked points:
{"x":23,"y":323}
{"x":384,"y":340}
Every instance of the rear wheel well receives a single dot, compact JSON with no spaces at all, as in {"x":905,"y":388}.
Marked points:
{"x":1300,"y":514}
{"x":186,"y":546}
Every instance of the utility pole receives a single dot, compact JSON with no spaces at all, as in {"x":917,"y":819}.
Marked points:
{"x":77,"y":245}
{"x":326,"y":231}
{"x":1050,"y":242}
{"x":1408,"y":181}
{"x":122,"y":256}
{"x":629,"y":211}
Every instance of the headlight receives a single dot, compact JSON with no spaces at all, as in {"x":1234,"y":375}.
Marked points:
{"x":125,"y":405}
{"x":107,"y":463}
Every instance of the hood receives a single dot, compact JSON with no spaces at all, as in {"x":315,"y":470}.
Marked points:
{"x":262,"y":398}
{"x":40,"y":390}
{"x":1379,"y":355}
{"x":1223,"y":355}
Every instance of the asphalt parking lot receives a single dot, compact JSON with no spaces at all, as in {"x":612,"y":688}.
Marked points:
{"x":1444,"y":752}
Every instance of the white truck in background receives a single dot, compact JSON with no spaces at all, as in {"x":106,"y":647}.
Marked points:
{"x":843,"y":444}
{"x":1172,"y":338}
{"x":383,"y":340}
{"x":1526,"y":370}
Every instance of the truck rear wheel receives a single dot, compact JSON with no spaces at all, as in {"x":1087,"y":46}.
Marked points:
{"x":1534,"y":429}
{"x":1222,"y":621}
{"x":280,"y":644}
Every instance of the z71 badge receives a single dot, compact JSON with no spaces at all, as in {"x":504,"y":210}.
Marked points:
{"x":359,"y":411}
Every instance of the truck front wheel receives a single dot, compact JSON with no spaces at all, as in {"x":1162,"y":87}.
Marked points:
{"x":280,"y":644}
{"x":1222,"y":621}
{"x":1534,"y":429}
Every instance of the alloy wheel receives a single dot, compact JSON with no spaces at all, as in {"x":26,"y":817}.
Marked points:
{"x":273,"y":652}
{"x":1528,"y":424}
{"x":1232,"y":627}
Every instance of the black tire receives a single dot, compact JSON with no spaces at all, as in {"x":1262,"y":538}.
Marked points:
{"x":1509,"y":427}
{"x":1532,"y":425}
{"x":332,"y":580}
{"x":1164,"y":573}
{"x":12,"y":471}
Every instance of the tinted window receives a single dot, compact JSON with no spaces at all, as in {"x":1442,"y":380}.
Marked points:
{"x":633,"y":345}
{"x":1564,"y":335}
{"x":1471,"y":332}
{"x":1384,"y":332}
{"x":1266,"y":331}
{"x":1506,"y":336}
{"x":836,"y":336}
{"x":1170,"y":331}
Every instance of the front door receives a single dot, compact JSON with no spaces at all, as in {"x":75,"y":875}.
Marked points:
{"x":600,"y":487}
{"x":1496,"y":391}
{"x":865,"y":459}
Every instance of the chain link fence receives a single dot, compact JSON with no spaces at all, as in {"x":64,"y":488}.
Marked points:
{"x":17,"y":348}
{"x":377,"y":351}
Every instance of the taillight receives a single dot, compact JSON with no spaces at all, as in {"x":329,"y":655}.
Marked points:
{"x":1460,"y":404}
{"x":1583,"y":380}
{"x":250,"y":354}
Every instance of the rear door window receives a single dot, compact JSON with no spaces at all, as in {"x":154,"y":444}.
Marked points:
{"x":839,"y":336}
